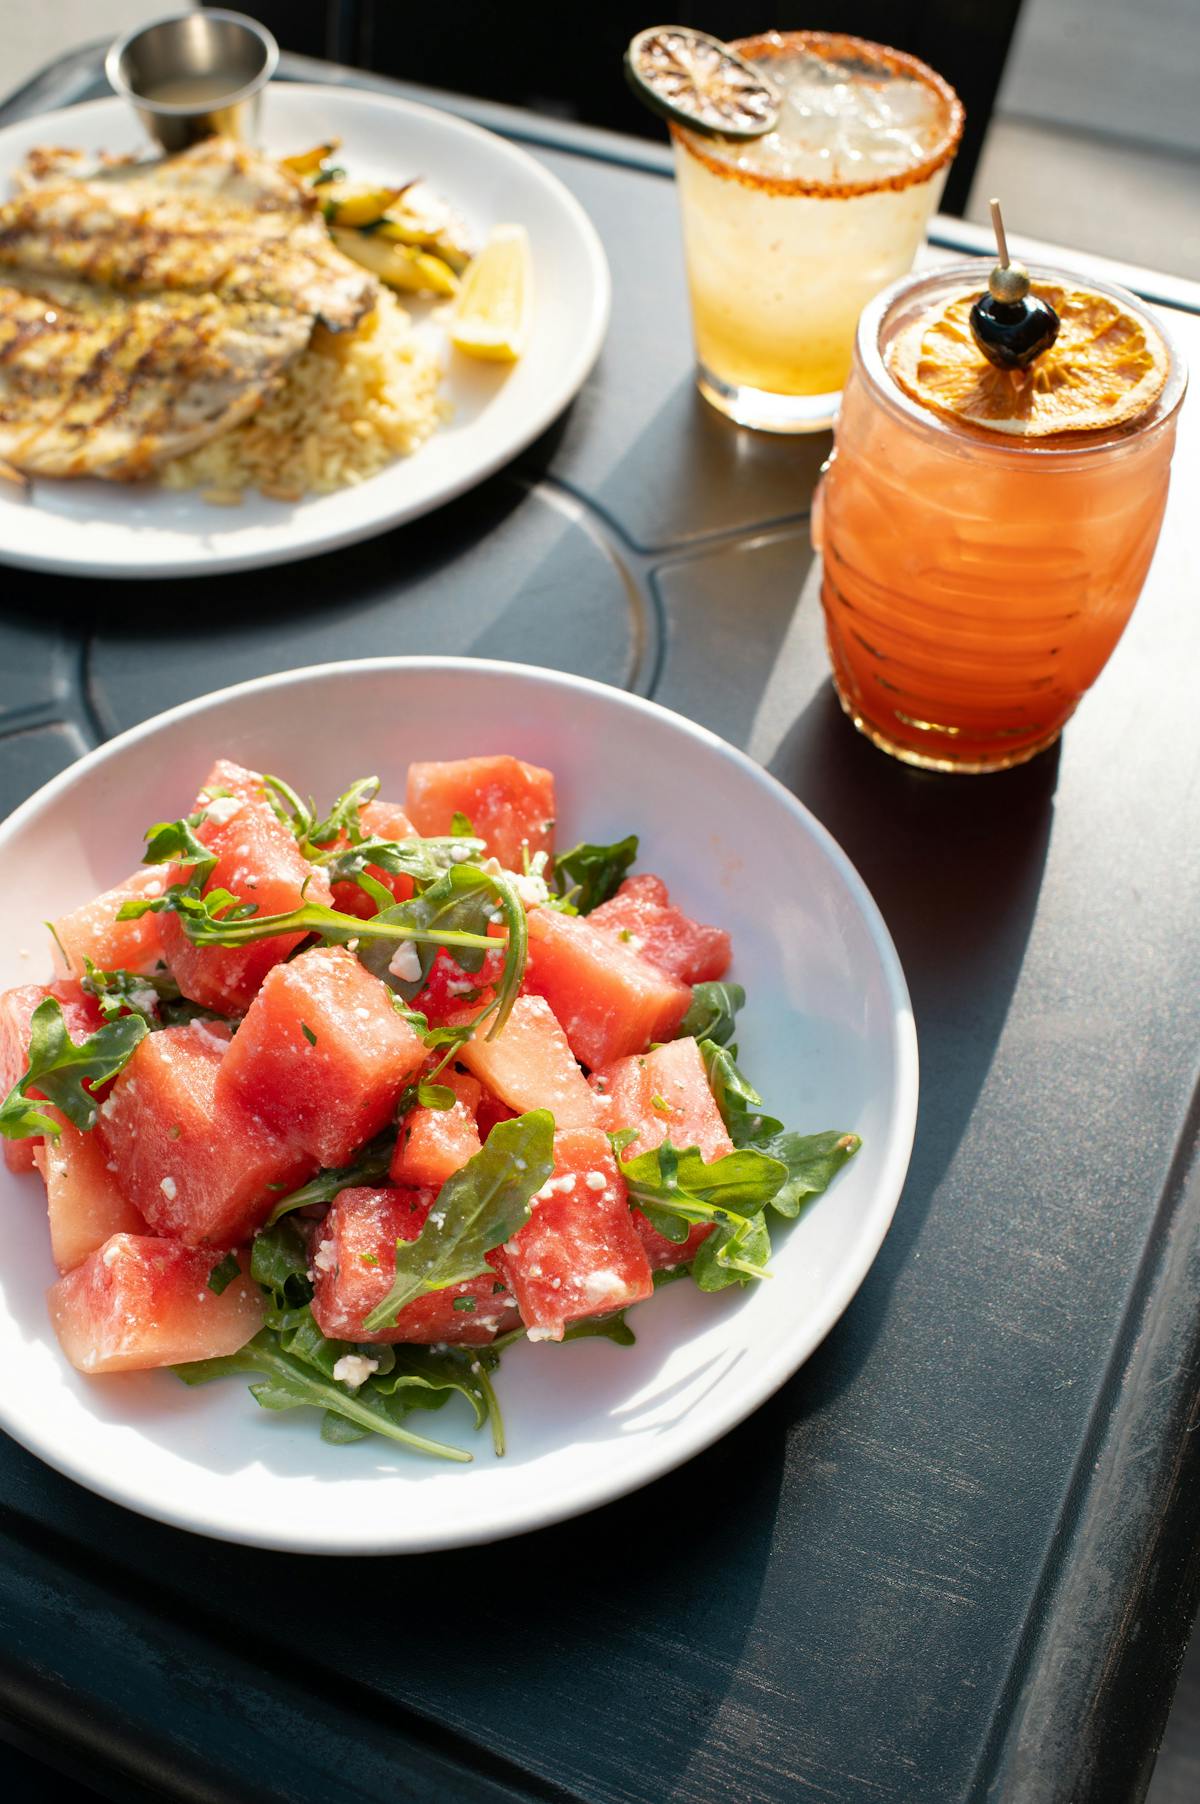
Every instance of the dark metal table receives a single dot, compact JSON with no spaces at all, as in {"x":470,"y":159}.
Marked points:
{"x":953,"y":1558}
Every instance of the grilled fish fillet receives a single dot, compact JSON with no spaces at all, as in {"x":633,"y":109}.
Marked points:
{"x":144,"y":310}
{"x":99,"y":384}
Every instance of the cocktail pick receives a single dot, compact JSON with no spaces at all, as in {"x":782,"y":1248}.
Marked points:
{"x":1011,"y":325}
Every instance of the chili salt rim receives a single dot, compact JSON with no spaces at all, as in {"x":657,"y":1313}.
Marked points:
{"x":831,"y":44}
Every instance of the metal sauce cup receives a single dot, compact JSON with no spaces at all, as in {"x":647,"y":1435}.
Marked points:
{"x":196,"y":75}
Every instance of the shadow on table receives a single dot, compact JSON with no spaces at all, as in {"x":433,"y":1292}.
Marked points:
{"x":606,"y":1647}
{"x":956,"y":866}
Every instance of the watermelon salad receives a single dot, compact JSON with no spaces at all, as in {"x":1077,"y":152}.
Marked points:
{"x":351,"y":1103}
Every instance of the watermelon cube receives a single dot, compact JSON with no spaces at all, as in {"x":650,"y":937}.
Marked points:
{"x":259,"y":861}
{"x":84,"y":1200}
{"x":530,"y":1065}
{"x":643,"y":918}
{"x":379,"y":820}
{"x":664,"y":1094}
{"x":510,"y":804}
{"x":322,"y":1055}
{"x":229,"y":779}
{"x":197,"y":1170}
{"x":355,"y":1262}
{"x":82,"y":1015}
{"x":579,"y":1253}
{"x":95,"y":932}
{"x":138,"y":1302}
{"x":435,"y":1143}
{"x":610,"y":1001}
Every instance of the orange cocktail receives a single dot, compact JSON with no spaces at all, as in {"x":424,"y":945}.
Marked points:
{"x":975,"y":583}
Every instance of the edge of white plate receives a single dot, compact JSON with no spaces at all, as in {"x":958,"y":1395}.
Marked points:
{"x":774,"y":1372}
{"x":593,"y":330}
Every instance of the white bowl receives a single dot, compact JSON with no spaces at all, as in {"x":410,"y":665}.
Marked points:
{"x":827,"y":1035}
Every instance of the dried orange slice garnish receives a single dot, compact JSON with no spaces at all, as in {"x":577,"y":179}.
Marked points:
{"x":1106,"y":367}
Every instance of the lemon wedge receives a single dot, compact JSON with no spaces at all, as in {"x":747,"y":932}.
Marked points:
{"x":495,"y":302}
{"x":1105,"y":368}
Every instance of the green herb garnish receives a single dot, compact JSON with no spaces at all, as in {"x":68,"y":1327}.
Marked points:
{"x":588,"y":875}
{"x":479,"y":1207}
{"x":223,"y":1273}
{"x":59,"y":1069}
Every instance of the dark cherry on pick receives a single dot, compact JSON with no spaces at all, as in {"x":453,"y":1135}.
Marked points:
{"x":1012,"y":333}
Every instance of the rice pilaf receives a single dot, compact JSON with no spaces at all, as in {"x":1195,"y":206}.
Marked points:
{"x":350,"y":404}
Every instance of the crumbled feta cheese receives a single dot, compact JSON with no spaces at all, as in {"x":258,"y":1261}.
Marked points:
{"x":153,"y":888}
{"x":364,"y":1014}
{"x":460,"y":854}
{"x":354,"y":1369}
{"x":169,"y":1188}
{"x":634,"y":941}
{"x":405,"y":963}
{"x":223,"y":808}
{"x":460,"y":986}
{"x":143,"y":997}
{"x":541,"y":1334}
{"x":595,"y":1180}
{"x":532,"y":890}
{"x":598,"y":1285}
{"x":566,"y":1184}
{"x":556,"y":1283}
{"x":520,"y":1164}
{"x":352,"y":945}
{"x":325,"y":1258}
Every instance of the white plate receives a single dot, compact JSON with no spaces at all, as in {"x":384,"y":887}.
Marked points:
{"x":92,"y":528}
{"x":827,"y":1034}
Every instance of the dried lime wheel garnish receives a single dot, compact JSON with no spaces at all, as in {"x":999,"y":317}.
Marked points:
{"x":699,"y":82}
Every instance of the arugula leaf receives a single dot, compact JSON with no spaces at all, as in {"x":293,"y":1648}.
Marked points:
{"x":279,"y":1262}
{"x":461,"y":825}
{"x":589,"y":875}
{"x":607,"y":1327}
{"x":291,"y":808}
{"x":712,"y":1014}
{"x":677,"y":1179}
{"x":343,"y":817}
{"x":675,"y":1190}
{"x":456,"y":911}
{"x":424,"y":860}
{"x":733,"y":1255}
{"x":59,"y":1068}
{"x":120,"y":993}
{"x":223,"y":1273}
{"x":286,"y":1381}
{"x":174,"y":842}
{"x":478,"y":1207}
{"x":371,"y":1165}
{"x":812,"y":1160}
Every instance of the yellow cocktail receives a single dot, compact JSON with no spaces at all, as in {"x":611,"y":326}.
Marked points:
{"x":787,"y":236}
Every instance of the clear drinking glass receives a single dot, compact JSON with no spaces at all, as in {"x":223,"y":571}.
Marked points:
{"x":975,"y":584}
{"x":788,"y":236}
